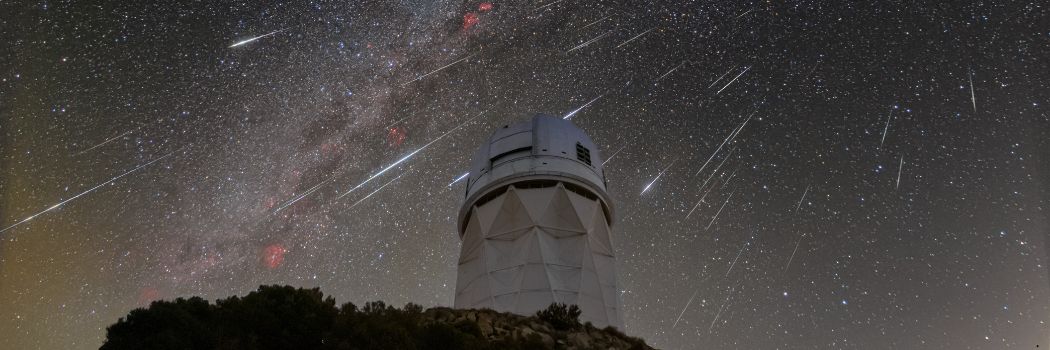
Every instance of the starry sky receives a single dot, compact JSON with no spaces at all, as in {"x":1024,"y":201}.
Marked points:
{"x":815,"y":174}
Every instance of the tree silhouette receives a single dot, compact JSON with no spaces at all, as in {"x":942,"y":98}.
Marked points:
{"x":283,"y":317}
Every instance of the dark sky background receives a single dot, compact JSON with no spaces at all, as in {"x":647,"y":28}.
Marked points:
{"x":890,"y":189}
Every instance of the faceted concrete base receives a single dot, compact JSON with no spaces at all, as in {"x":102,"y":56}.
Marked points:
{"x":525,"y":249}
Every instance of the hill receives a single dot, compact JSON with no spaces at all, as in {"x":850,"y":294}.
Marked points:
{"x":283,"y":317}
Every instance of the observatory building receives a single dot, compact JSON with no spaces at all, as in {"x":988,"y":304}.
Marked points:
{"x":535,"y":224}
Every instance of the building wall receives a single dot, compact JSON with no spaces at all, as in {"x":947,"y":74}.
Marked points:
{"x":533,"y":245}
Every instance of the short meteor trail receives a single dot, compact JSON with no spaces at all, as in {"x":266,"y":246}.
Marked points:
{"x":973,"y":96}
{"x":458,"y":179}
{"x":242,"y":42}
{"x":547,"y":5}
{"x":657,"y":177}
{"x":439,"y":69}
{"x":593,"y":23}
{"x":718,"y":167}
{"x":670,"y":71}
{"x":886,"y":129}
{"x":802,"y":199}
{"x":613,"y":155}
{"x":741,"y":252}
{"x":899,"y":171}
{"x":786,"y":266}
{"x":106,"y":141}
{"x":569,"y":116}
{"x":588,"y":42}
{"x":734,"y":79}
{"x":635,"y":37}
{"x":408,"y":156}
{"x":59,"y":204}
{"x":742,"y":14}
{"x":684,"y":308}
{"x":719,"y":211}
{"x":720,"y":77}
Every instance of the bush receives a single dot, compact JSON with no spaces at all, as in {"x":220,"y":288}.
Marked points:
{"x":561,"y":316}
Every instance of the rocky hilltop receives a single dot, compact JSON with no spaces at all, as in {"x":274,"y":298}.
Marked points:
{"x":554,"y":328}
{"x":283,"y":317}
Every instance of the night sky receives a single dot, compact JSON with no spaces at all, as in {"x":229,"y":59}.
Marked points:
{"x":820,"y":175}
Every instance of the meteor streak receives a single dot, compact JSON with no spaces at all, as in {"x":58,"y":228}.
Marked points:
{"x":731,"y":135}
{"x":59,"y":204}
{"x":408,"y":156}
{"x":635,"y":37}
{"x":720,"y":310}
{"x":461,"y":177}
{"x":588,"y":42}
{"x":720,"y":77}
{"x":378,"y":189}
{"x":886,"y":129}
{"x":683,"y":309}
{"x":802,"y":199}
{"x":592,"y":23}
{"x":899,"y":171}
{"x":670,"y":71}
{"x":439,"y":69}
{"x":719,"y":212}
{"x":548,"y":4}
{"x":786,"y":266}
{"x":741,"y":252}
{"x":973,"y":97}
{"x":242,"y":42}
{"x":106,"y":141}
{"x":657,"y":177}
{"x":307,"y":193}
{"x":613,"y":155}
{"x":569,"y":116}
{"x":734,"y":79}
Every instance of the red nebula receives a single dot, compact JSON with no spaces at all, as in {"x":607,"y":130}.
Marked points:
{"x":469,"y":20}
{"x":485,"y":6}
{"x":273,"y":255}
{"x":396,"y":136}
{"x":148,"y":295}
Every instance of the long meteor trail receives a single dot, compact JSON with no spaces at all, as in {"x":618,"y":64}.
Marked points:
{"x":59,"y":204}
{"x":245,"y":41}
{"x":731,"y":136}
{"x":439,"y":69}
{"x":378,"y":189}
{"x":301,"y":196}
{"x":408,"y":156}
{"x":635,"y":37}
{"x":106,"y":141}
{"x":588,"y":42}
{"x":684,"y":308}
{"x":670,"y":71}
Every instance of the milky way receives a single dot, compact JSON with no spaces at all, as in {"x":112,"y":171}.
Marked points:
{"x":785,"y":175}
